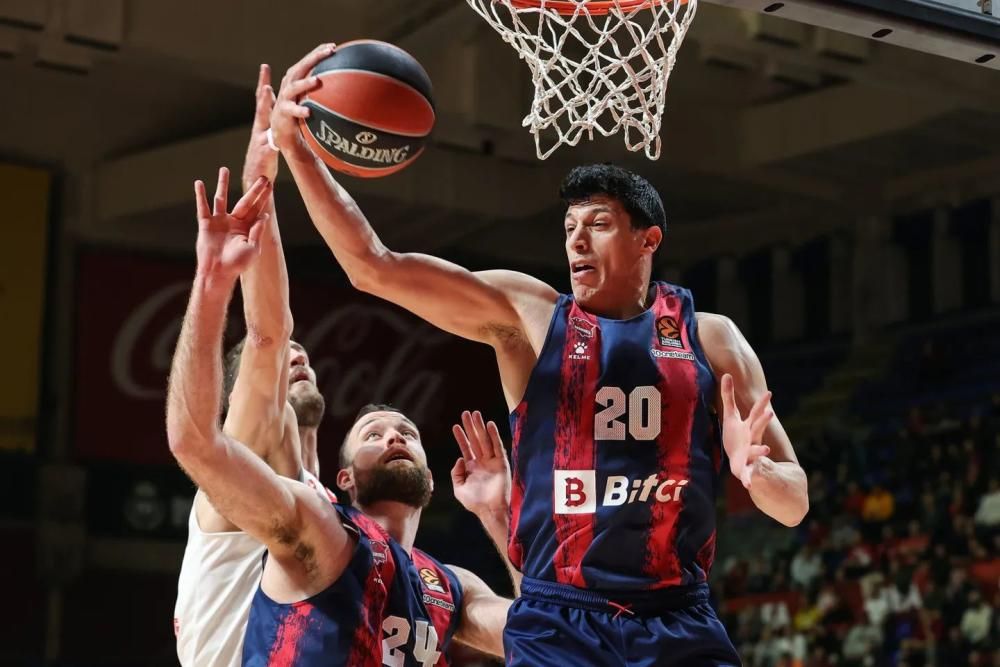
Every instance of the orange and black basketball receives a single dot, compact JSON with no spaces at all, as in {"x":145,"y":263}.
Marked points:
{"x":372,"y":112}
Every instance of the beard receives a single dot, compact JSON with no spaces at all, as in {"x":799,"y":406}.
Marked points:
{"x":307,"y":403}
{"x":402,"y":484}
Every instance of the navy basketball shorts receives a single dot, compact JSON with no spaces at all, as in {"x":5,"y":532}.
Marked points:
{"x":552,"y":625}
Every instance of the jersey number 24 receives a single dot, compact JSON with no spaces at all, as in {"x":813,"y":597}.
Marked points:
{"x":397,"y":631}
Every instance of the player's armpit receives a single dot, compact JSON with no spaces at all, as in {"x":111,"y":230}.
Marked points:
{"x":484,"y":614}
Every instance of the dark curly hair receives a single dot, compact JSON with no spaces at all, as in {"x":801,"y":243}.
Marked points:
{"x":637,"y":195}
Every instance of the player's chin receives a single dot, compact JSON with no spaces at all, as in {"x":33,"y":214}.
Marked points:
{"x":584,"y":294}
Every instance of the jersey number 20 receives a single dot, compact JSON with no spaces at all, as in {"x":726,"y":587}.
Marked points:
{"x":642,"y":410}
{"x":425,"y":641}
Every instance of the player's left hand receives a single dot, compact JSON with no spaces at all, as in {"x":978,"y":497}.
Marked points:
{"x":481,"y":478}
{"x":742,"y":437}
{"x":261,"y":159}
{"x":227,"y":241}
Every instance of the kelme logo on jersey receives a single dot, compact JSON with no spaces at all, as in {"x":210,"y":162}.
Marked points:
{"x":575,"y":491}
{"x":431,"y":580}
{"x":668,"y":332}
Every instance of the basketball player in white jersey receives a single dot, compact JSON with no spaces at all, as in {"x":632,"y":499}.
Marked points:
{"x":275,"y":408}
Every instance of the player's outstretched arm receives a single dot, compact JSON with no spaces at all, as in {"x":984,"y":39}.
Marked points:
{"x":257,"y":406}
{"x":481,"y":479}
{"x":760,"y":452}
{"x":484,"y":614}
{"x":485,"y":306}
{"x":288,"y":517}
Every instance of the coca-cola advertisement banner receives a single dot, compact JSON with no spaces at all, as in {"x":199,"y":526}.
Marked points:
{"x":129,"y":312}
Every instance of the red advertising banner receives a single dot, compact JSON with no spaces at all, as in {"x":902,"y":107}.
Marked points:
{"x":129,"y":311}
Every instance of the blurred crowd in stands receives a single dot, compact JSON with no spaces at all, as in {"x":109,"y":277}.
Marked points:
{"x":898,"y":561}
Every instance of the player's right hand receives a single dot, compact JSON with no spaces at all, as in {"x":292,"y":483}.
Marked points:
{"x":481,"y":478}
{"x":287,"y":110}
{"x":227,"y":241}
{"x":741,"y":437}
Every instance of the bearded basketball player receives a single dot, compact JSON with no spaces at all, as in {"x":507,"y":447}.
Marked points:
{"x":613,"y":392}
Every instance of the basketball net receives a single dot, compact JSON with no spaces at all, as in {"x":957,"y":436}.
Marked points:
{"x":596,"y":66}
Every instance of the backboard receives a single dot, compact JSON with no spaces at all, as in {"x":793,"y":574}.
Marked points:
{"x":966,"y":30}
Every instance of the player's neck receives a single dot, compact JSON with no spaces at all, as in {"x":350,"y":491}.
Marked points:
{"x":624,"y":306}
{"x":399,"y":520}
{"x":307,"y":441}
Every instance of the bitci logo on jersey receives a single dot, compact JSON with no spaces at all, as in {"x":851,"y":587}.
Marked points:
{"x":575,"y":491}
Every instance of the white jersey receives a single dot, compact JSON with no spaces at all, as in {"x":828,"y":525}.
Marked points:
{"x":219,"y":577}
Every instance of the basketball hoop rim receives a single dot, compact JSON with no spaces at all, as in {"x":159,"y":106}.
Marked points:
{"x":592,"y":7}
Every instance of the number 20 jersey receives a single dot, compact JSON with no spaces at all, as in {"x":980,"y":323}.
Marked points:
{"x":616,"y":452}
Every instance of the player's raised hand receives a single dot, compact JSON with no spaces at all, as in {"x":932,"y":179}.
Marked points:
{"x":287,"y":110}
{"x":481,"y":478}
{"x":227,"y":240}
{"x":742,"y":437}
{"x":261,"y":159}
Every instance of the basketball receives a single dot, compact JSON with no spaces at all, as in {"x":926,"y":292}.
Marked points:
{"x":373,"y":111}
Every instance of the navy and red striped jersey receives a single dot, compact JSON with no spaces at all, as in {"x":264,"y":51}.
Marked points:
{"x":616,"y":451}
{"x":387,"y":608}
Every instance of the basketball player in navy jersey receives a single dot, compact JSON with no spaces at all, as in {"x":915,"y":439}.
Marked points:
{"x":340,"y":585}
{"x":613,"y":392}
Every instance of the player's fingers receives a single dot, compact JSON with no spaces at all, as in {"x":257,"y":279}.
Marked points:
{"x":758,"y":426}
{"x":292,"y":109}
{"x":258,"y":228}
{"x":297,"y":89}
{"x":757,"y":451}
{"x":759,"y":407}
{"x":482,"y":437}
{"x":728,"y":397}
{"x":458,"y":473}
{"x":253,"y":199}
{"x":463,"y":441}
{"x":263,"y":78}
{"x":301,"y":68}
{"x":201,"y":201}
{"x":474,"y":440}
{"x":496,"y":440}
{"x":221,"y":192}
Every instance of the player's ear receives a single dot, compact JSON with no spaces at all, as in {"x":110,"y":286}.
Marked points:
{"x":345,"y":479}
{"x":430,"y":480}
{"x":652,"y":237}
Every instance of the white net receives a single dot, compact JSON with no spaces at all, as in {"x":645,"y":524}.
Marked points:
{"x":596,"y":66}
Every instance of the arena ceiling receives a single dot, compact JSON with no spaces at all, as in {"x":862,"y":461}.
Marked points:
{"x":767,"y":120}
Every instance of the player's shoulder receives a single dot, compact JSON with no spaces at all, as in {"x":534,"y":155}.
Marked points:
{"x":716,"y":326}
{"x":724,"y":344}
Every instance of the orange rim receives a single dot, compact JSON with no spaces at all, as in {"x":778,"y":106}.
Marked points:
{"x":593,"y":7}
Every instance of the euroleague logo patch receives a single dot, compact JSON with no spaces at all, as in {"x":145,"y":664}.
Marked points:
{"x":431,"y":580}
{"x":668,"y":332}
